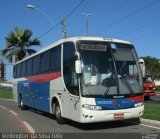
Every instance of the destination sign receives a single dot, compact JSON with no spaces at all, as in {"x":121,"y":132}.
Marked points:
{"x":92,"y":47}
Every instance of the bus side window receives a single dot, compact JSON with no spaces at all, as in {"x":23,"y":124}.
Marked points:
{"x":29,"y":67}
{"x":56,"y":58}
{"x":45,"y":61}
{"x":36,"y":64}
{"x":70,"y":76}
{"x":14,"y":71}
{"x":23,"y":68}
{"x":18,"y":70}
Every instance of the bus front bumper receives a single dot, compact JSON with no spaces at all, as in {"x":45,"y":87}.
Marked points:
{"x":90,"y":116}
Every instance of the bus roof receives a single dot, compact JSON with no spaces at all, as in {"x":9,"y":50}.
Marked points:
{"x":74,"y":39}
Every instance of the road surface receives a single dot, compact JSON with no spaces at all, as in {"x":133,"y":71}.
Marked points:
{"x":14,"y":120}
{"x":154,"y":100}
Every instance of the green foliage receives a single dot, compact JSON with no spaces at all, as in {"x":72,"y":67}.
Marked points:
{"x":152,"y":66}
{"x":158,"y":89}
{"x":18,"y":44}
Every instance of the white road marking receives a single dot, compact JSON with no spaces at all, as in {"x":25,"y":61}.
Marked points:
{"x":150,"y":126}
{"x":3,"y":107}
{"x":143,"y":125}
{"x":26,"y":124}
{"x":30,"y":128}
{"x":14,"y":113}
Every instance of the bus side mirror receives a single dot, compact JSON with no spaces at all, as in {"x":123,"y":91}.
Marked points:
{"x":78,"y":67}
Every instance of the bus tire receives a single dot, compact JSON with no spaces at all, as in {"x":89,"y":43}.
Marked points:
{"x":58,"y":115}
{"x":147,"y":97}
{"x":22,"y":106}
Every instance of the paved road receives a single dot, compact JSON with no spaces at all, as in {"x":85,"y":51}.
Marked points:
{"x":14,"y":120}
{"x":154,"y":100}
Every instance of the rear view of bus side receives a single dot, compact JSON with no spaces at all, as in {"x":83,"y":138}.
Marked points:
{"x":85,"y":79}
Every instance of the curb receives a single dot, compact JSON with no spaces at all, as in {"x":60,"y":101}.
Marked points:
{"x":6,"y":99}
{"x":150,"y":122}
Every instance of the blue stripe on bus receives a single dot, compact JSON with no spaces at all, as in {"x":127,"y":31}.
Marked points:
{"x":115,"y":103}
{"x":35,"y":94}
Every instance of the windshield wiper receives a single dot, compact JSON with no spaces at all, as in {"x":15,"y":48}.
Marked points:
{"x":109,"y":83}
{"x":125,"y":81}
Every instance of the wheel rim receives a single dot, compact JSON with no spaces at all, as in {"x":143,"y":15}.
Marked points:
{"x":58,"y":112}
{"x":21,"y":103}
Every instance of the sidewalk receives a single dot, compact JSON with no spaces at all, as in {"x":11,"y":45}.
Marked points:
{"x":6,"y":99}
{"x":150,"y":122}
{"x":158,"y":93}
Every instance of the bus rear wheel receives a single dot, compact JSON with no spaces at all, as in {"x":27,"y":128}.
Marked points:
{"x":22,"y":106}
{"x":58,"y":114}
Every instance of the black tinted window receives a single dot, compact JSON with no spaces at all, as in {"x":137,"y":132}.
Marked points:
{"x":14,"y":71}
{"x":23,"y":68}
{"x":36,"y":64}
{"x":56,"y":58}
{"x":29,"y":66}
{"x":18,"y":70}
{"x":45,"y":61}
{"x":70,"y":76}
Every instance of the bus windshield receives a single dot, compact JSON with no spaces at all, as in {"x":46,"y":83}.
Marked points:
{"x":109,"y":70}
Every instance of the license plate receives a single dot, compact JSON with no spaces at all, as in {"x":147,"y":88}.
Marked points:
{"x":118,"y":115}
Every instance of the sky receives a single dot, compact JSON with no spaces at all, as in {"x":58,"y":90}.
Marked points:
{"x":137,"y":21}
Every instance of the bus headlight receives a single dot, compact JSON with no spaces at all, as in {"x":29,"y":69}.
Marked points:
{"x":91,"y":107}
{"x":138,"y":104}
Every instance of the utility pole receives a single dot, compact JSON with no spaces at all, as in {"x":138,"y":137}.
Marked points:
{"x":87,"y":22}
{"x":64,"y":27}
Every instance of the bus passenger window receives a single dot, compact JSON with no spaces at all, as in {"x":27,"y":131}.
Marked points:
{"x":45,"y":61}
{"x":56,"y":58}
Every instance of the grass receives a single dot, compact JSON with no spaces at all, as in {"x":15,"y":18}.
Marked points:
{"x":151,"y":111}
{"x":6,"y":94}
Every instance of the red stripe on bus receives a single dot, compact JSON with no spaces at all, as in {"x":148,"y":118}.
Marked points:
{"x":44,"y":77}
{"x":137,"y":98}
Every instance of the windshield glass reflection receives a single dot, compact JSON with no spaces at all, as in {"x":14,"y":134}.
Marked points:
{"x":109,"y":71}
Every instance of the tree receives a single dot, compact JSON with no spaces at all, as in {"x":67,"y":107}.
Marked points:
{"x":152,"y":66}
{"x":18,"y":44}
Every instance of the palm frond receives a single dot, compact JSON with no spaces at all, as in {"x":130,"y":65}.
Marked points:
{"x":31,"y":51}
{"x":11,"y":39}
{"x":9,"y":56}
{"x":35,"y":42}
{"x":18,"y":42}
{"x":26,"y":36}
{"x":4,"y":52}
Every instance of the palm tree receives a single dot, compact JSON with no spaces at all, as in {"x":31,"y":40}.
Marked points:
{"x":18,"y":44}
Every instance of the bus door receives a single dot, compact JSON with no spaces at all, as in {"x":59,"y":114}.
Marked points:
{"x":74,"y":96}
{"x":72,"y":90}
{"x":71,"y":79}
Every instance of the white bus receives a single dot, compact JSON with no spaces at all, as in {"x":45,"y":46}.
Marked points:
{"x":85,"y":79}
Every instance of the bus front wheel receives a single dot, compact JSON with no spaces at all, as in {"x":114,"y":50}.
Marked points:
{"x":147,"y":97}
{"x":58,"y":114}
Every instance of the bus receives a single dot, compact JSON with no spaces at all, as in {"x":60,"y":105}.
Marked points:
{"x":84,"y":79}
